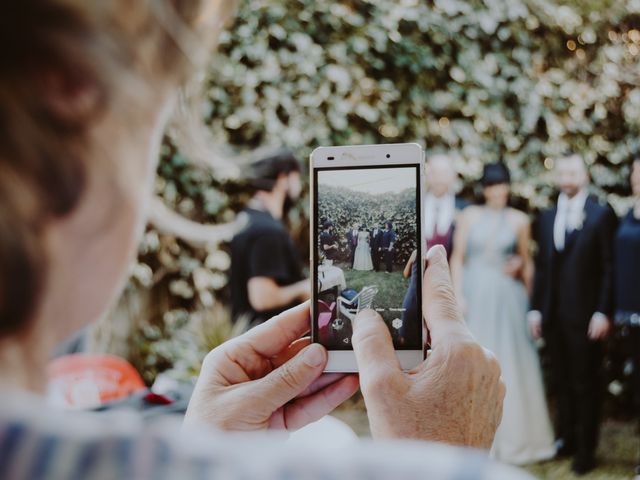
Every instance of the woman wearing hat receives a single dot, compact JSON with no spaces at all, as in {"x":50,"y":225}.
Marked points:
{"x":495,"y":303}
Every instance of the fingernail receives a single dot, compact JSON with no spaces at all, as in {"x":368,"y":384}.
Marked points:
{"x":314,"y":355}
{"x":434,"y":252}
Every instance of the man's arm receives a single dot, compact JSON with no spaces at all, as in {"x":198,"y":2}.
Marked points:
{"x":540,"y":280}
{"x":265,"y":294}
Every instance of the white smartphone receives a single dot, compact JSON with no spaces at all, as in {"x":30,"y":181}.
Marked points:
{"x":366,"y":230}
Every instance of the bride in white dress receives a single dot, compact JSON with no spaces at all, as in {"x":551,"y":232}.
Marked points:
{"x":362,"y":257}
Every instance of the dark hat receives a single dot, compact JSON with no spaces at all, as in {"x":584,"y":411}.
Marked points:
{"x":327,"y":224}
{"x":495,"y":174}
{"x":268,"y":165}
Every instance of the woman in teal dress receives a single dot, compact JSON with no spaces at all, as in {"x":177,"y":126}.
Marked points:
{"x":492,"y":271}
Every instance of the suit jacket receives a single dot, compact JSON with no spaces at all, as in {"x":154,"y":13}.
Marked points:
{"x":376,"y":240}
{"x":352,"y":239}
{"x":576,"y":282}
{"x":447,"y":240}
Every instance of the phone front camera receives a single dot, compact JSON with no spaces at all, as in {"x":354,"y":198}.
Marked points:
{"x":388,"y":156}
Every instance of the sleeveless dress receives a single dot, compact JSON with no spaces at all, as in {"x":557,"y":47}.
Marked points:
{"x":496,"y":315}
{"x":362,"y":258}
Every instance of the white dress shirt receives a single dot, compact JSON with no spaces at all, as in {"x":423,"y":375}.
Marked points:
{"x":569,"y":216}
{"x":438,"y":214}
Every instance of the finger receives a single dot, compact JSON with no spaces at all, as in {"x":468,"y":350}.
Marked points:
{"x":273,"y":336}
{"x":289,"y":352}
{"x":439,"y":303}
{"x":322,"y":381}
{"x":293,"y":377}
{"x":373,"y":347}
{"x":306,"y":410}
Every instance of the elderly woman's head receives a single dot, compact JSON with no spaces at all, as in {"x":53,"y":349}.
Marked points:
{"x":85,"y":88}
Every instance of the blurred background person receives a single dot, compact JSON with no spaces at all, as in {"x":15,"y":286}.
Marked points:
{"x":266,"y":268}
{"x":411,"y":324}
{"x":571,"y":305}
{"x":441,"y":206}
{"x":328,"y":243}
{"x":362,"y":258}
{"x":627,"y":280}
{"x":496,"y":307}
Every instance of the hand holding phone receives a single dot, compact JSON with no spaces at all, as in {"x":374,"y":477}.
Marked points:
{"x":268,"y":377}
{"x":455,"y":396}
{"x":370,"y":196}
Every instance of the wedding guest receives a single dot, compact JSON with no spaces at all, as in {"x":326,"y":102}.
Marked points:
{"x":328,"y":243}
{"x":571,"y":305}
{"x":441,"y":206}
{"x":362,"y":259}
{"x":627,"y":279}
{"x":266,"y":269}
{"x":87,"y":89}
{"x":352,"y":241}
{"x":496,"y":306}
{"x":375,"y":241}
{"x":388,"y":243}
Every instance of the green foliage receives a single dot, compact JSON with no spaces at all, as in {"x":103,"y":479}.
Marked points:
{"x":521,"y":80}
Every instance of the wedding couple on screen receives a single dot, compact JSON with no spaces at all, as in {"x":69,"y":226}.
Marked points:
{"x":369,"y":248}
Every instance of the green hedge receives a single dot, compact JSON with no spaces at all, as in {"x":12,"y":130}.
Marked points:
{"x":520,"y":80}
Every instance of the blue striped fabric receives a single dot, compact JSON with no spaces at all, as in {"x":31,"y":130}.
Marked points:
{"x":37,"y":442}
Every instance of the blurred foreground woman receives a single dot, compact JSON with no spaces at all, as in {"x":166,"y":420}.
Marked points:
{"x":496,"y":301}
{"x":85,"y":91}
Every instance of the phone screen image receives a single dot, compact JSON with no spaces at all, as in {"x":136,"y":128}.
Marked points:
{"x":368,"y":252}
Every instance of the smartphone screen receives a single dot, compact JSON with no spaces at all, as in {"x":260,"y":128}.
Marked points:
{"x":368,"y":253}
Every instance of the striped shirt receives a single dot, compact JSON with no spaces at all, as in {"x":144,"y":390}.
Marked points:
{"x":37,"y":442}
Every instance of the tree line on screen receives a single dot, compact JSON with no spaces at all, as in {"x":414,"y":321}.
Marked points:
{"x":346,"y":208}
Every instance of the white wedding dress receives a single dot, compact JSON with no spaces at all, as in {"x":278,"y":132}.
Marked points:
{"x":496,"y":315}
{"x":362,"y":257}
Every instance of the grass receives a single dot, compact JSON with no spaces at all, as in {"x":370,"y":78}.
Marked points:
{"x":617,"y":453}
{"x":391,"y":287}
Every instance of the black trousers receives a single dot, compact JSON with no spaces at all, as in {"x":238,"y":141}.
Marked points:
{"x":388,"y":260}
{"x":375,"y":258}
{"x":576,"y":365}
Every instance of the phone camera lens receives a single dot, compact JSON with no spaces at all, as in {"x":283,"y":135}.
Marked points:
{"x":388,"y":156}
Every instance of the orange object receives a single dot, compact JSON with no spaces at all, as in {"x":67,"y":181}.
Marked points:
{"x":85,"y":380}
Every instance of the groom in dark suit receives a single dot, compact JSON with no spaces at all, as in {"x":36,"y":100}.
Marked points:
{"x":375,"y":240}
{"x":572,"y":304}
{"x":352,"y":241}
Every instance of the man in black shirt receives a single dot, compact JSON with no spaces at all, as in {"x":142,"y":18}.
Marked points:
{"x":266,"y":271}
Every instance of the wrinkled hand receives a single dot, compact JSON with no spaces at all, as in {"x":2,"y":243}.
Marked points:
{"x":268,"y":378}
{"x":455,"y":396}
{"x":598,"y":327}
{"x":513,"y":266}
